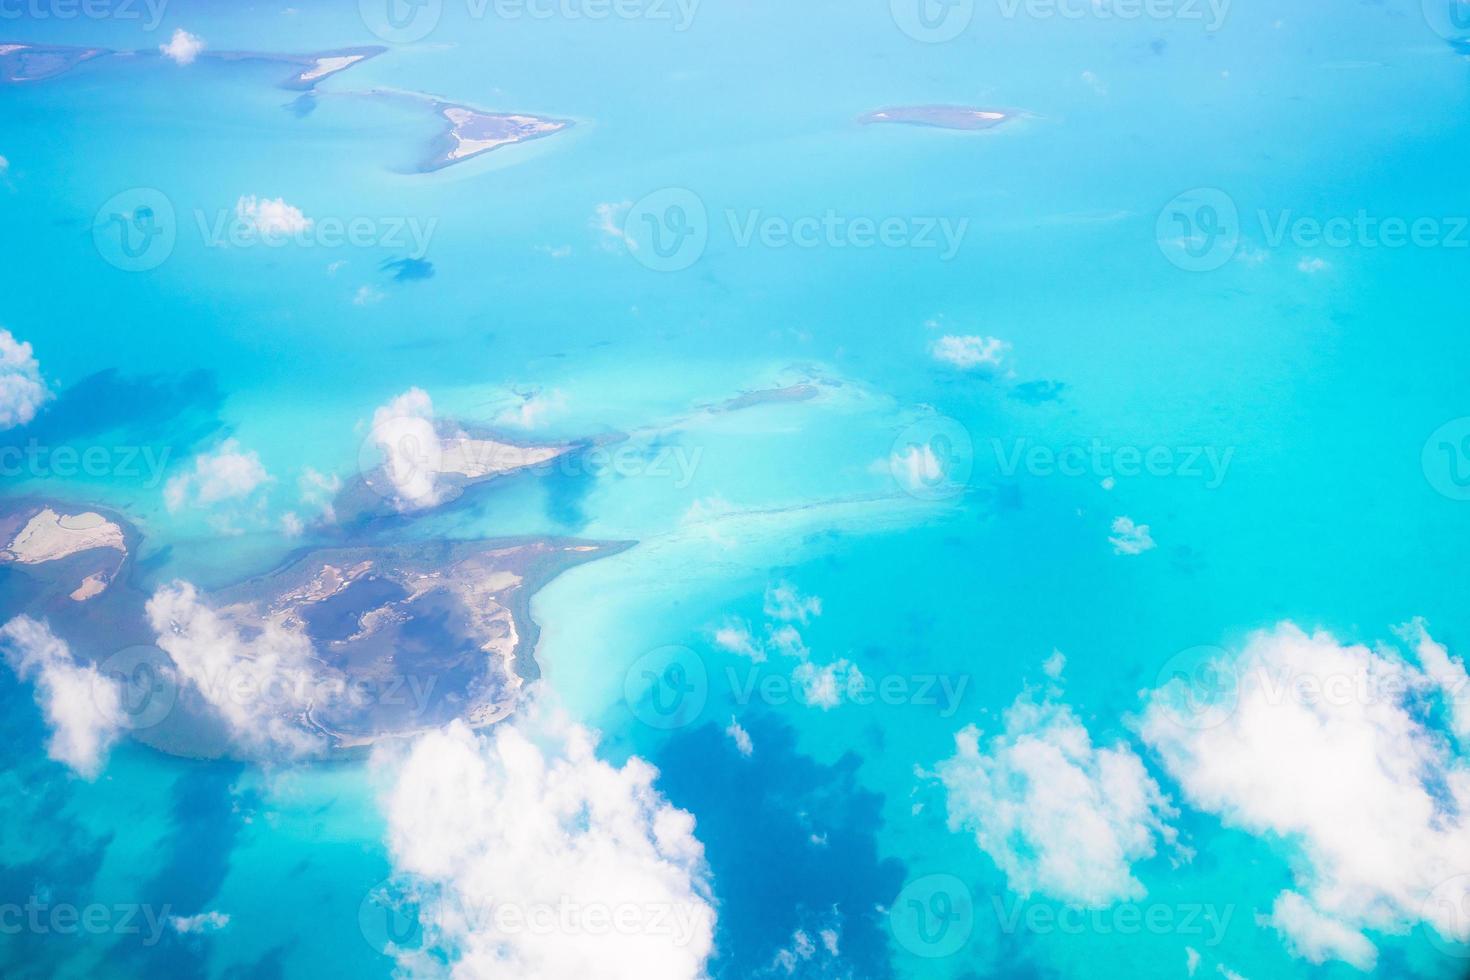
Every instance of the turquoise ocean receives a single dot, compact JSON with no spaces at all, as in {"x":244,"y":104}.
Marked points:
{"x":1323,"y":380}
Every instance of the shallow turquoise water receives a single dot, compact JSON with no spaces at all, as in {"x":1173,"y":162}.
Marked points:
{"x":1323,"y":386}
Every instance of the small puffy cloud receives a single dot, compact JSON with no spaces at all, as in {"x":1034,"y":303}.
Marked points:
{"x":271,"y":218}
{"x":740,"y":737}
{"x":534,"y":410}
{"x":1129,"y":538}
{"x":1054,"y":665}
{"x":916,"y":468}
{"x":734,"y":636}
{"x":367,"y":296}
{"x":83,"y":708}
{"x":183,"y":47}
{"x":4,"y":166}
{"x":1191,"y":960}
{"x":607,"y":219}
{"x":201,"y":923}
{"x":22,"y":391}
{"x":1058,"y":815}
{"x":1346,"y":755}
{"x":318,"y":491}
{"x":970,"y":352}
{"x":1312,"y":265}
{"x":404,"y":430}
{"x":787,"y":641}
{"x":260,"y":685}
{"x":783,"y":601}
{"x":823,"y":686}
{"x":225,"y":474}
{"x":1319,"y":938}
{"x":524,"y":824}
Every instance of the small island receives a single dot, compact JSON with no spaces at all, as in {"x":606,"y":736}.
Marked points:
{"x":38,"y":534}
{"x":36,"y":62}
{"x":938,"y":116}
{"x":473,"y":132}
{"x":367,"y":639}
{"x":312,"y":69}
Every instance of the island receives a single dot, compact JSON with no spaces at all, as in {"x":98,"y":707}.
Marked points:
{"x":368,"y":639}
{"x":409,"y":636}
{"x":39,"y":534}
{"x":36,"y":62}
{"x":469,"y":131}
{"x":312,"y":69}
{"x":938,"y":116}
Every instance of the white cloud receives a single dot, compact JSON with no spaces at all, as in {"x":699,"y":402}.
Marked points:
{"x":607,"y":219}
{"x":292,"y":525}
{"x":533,"y":410}
{"x":1317,"y":937}
{"x":259,"y":686}
{"x":22,"y":390}
{"x":1129,"y":538}
{"x":1331,"y":749}
{"x":1191,"y":960}
{"x":404,"y":430}
{"x":1312,"y":265}
{"x":4,"y":166}
{"x":787,"y":641}
{"x":735,"y":637}
{"x":822,"y":687}
{"x":203,"y":922}
{"x":1054,"y":665}
{"x":183,"y":47}
{"x":318,"y":491}
{"x":783,"y":601}
{"x":225,"y":474}
{"x":367,"y":296}
{"x":969,"y":352}
{"x":740,"y":737}
{"x":918,"y":468}
{"x":1058,"y":815}
{"x":271,"y":218}
{"x":82,"y":708}
{"x":522,"y":836}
